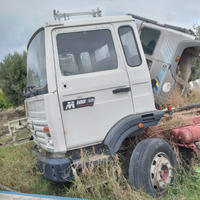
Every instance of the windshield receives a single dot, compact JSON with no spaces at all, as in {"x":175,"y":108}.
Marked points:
{"x":36,"y":62}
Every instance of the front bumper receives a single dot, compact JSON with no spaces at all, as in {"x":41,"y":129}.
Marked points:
{"x":55,"y":169}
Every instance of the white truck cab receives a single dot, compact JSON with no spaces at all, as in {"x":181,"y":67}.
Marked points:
{"x":88,"y":85}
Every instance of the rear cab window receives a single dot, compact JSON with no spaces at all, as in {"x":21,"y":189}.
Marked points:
{"x":129,"y":46}
{"x":149,"y":38}
{"x":86,"y":52}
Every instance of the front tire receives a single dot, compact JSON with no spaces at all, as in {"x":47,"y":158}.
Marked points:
{"x":152,"y":166}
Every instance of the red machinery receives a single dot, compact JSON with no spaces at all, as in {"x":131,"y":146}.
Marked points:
{"x":187,"y":136}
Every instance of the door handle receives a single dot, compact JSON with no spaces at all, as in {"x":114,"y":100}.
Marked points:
{"x":127,"y":89}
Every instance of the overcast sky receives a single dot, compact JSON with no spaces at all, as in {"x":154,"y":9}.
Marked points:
{"x":19,"y":19}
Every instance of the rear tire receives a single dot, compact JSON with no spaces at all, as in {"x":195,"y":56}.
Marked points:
{"x":152,"y":166}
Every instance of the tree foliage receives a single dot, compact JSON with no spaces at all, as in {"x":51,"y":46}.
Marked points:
{"x":196,"y":28}
{"x":195,"y":71}
{"x":3,"y":101}
{"x":13,"y":77}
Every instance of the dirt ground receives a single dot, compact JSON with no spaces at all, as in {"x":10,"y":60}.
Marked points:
{"x":9,"y":115}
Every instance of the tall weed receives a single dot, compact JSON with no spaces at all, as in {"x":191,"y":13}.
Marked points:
{"x":176,"y":100}
{"x":104,"y":181}
{"x":18,"y":171}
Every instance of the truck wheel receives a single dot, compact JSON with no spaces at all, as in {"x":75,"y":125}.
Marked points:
{"x":152,"y":166}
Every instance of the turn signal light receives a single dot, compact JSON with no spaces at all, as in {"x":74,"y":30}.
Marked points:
{"x":169,"y":107}
{"x":46,"y":129}
{"x":140,"y":125}
{"x":177,"y":58}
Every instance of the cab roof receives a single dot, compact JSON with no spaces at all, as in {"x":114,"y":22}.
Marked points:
{"x":88,"y":21}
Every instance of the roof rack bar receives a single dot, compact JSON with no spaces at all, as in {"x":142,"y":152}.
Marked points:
{"x":66,"y":16}
{"x":189,"y":31}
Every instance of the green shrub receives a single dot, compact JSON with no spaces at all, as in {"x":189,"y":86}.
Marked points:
{"x":13,"y":77}
{"x":3,"y":102}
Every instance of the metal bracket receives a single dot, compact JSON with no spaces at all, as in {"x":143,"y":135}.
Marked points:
{"x":18,"y":133}
{"x":66,"y":16}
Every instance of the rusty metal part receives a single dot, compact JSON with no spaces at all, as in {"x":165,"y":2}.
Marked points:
{"x":186,"y":134}
{"x":194,"y":120}
{"x":174,"y":134}
{"x":190,"y":146}
{"x":157,"y":129}
{"x":189,"y":134}
{"x":158,"y":132}
{"x":161,"y":172}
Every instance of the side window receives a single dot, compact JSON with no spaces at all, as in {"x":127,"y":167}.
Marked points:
{"x":86,"y":52}
{"x":129,"y":46}
{"x":149,"y":38}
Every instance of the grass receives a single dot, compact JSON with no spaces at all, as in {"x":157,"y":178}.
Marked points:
{"x":22,"y":134}
{"x":189,"y":98}
{"x":107,"y":181}
{"x":188,"y":184}
{"x":176,"y":100}
{"x":18,"y":171}
{"x":8,"y":140}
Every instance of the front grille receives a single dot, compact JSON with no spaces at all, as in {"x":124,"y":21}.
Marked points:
{"x":36,"y":126}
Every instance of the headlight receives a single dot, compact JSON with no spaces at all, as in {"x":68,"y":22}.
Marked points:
{"x":50,"y":141}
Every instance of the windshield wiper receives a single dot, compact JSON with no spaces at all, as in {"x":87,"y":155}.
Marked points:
{"x":30,"y":91}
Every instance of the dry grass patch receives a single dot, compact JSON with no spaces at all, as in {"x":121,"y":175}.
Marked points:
{"x":189,"y":98}
{"x":104,"y":181}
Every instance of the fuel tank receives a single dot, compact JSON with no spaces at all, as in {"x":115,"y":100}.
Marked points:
{"x":174,"y":134}
{"x":189,"y":134}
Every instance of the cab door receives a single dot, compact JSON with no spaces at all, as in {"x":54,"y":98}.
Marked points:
{"x":92,"y":83}
{"x":138,"y":73}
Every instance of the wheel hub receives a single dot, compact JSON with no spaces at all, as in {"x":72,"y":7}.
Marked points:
{"x":161,"y":172}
